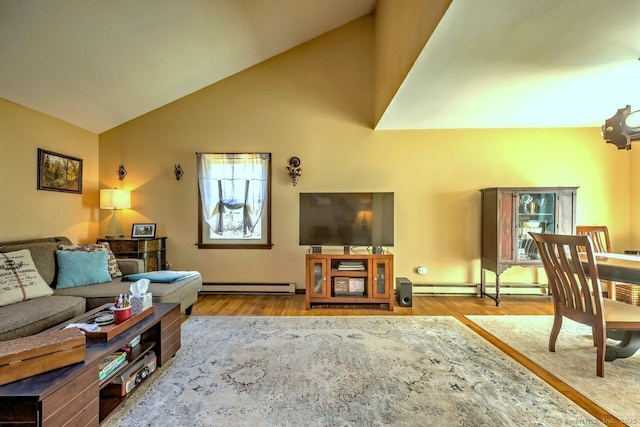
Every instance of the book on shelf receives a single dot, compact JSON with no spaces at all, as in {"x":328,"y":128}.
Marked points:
{"x":356,"y":284}
{"x":113,"y":370}
{"x":111,"y":363}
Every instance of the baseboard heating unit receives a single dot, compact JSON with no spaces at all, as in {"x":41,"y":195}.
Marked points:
{"x":249,"y":288}
{"x":474,"y":289}
{"x":445,"y":289}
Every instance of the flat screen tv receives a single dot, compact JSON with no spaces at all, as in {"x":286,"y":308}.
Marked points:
{"x":340,"y":219}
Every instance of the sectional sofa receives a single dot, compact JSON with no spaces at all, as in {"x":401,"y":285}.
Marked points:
{"x":50,"y":306}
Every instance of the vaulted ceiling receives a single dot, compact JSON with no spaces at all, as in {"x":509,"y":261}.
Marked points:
{"x":489,"y":63}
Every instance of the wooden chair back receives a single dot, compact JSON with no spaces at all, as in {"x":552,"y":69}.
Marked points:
{"x":599,"y":236}
{"x":575,"y":294}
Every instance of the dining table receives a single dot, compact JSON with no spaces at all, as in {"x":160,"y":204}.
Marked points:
{"x":624,"y":268}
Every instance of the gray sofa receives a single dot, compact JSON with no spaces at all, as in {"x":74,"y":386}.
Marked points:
{"x":35,"y":315}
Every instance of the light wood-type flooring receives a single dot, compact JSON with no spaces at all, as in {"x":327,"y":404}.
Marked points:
{"x":457,"y":306}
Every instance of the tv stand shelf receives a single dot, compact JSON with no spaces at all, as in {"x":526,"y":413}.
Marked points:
{"x":349,"y":279}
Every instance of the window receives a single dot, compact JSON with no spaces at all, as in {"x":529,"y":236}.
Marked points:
{"x":235,"y":200}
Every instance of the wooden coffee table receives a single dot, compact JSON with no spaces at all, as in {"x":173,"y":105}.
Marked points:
{"x":73,"y":394}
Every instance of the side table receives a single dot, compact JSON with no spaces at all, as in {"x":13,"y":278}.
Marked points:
{"x":152,"y":250}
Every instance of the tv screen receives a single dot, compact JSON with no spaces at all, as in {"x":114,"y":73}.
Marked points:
{"x":354,"y":219}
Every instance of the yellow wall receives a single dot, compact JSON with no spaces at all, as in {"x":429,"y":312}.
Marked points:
{"x":28,"y":212}
{"x":634,"y":194}
{"x":315,"y":102}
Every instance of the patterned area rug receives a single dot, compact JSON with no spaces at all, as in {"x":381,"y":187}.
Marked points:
{"x":574,"y":361}
{"x":342,"y":371}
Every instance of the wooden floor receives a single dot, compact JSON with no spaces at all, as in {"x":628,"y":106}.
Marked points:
{"x":457,"y":306}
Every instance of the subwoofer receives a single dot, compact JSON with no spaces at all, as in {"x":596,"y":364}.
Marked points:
{"x":404,"y":292}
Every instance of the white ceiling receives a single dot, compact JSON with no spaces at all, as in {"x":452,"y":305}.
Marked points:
{"x":519,"y":63}
{"x":490,"y":63}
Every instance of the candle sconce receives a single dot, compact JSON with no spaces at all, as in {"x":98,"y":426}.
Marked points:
{"x":178,"y":172}
{"x":295,"y":171}
{"x":122,"y":172}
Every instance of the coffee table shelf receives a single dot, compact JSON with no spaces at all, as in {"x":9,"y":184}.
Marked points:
{"x":73,"y":394}
{"x":136,"y":353}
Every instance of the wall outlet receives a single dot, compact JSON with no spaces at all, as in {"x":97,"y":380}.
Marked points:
{"x":422,"y":270}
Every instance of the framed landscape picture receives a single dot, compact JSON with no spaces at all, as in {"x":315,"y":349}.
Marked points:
{"x":143,"y":230}
{"x":59,"y":172}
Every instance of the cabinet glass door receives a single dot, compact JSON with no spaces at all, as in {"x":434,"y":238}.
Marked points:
{"x":380,"y":285}
{"x":318,"y":273}
{"x":536,"y":213}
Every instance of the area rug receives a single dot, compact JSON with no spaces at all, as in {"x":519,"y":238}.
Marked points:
{"x":342,"y":371}
{"x":574,"y":361}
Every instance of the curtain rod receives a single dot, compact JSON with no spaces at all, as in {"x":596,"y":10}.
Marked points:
{"x":249,"y":152}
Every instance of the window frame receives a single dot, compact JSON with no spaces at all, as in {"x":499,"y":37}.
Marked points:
{"x":263,"y":243}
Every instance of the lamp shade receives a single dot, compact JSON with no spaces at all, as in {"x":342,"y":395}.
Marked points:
{"x":112,"y":198}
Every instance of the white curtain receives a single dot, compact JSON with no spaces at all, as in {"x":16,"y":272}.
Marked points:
{"x":233,"y":189}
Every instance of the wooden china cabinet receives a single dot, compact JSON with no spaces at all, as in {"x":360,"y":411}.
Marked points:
{"x":509,"y":214}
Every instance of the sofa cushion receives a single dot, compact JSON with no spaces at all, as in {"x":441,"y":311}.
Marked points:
{"x":130,"y":265}
{"x":19,"y":278}
{"x":114,"y":270}
{"x":79,"y":268}
{"x":35,"y":315}
{"x":43,"y":255}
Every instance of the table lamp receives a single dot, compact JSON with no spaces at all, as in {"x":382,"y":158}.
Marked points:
{"x":112,"y":198}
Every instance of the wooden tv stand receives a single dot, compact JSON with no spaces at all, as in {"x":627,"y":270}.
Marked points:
{"x":339,"y":278}
{"x":73,"y":395}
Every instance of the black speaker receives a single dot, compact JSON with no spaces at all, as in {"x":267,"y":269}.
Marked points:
{"x":404,"y":292}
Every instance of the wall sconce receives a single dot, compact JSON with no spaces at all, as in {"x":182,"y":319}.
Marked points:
{"x":295,"y":171}
{"x":122,"y":172}
{"x":111,"y":198}
{"x":178,"y":172}
{"x":622,"y":128}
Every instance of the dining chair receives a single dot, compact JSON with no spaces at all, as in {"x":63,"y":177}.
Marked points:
{"x":601,"y":244}
{"x":599,"y":236}
{"x":578,"y":295}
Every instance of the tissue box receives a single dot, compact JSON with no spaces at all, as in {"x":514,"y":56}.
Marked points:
{"x":140,"y":304}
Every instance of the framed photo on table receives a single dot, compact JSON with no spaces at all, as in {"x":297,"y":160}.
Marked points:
{"x":146,"y":230}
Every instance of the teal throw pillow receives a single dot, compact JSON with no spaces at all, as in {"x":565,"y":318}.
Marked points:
{"x":78,"y":268}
